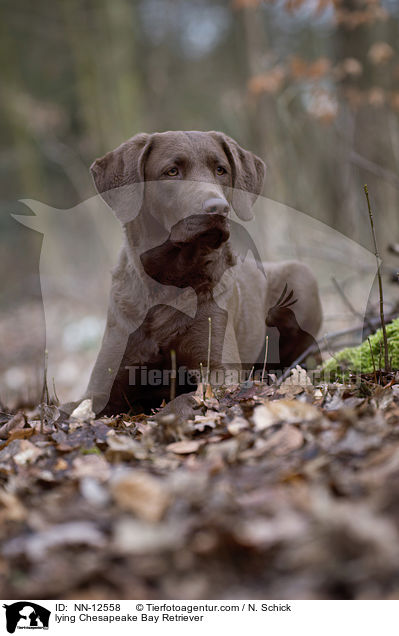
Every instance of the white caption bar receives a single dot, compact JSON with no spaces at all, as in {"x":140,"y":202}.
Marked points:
{"x":310,"y":618}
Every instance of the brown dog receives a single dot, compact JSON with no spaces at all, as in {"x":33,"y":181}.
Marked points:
{"x":174,"y":193}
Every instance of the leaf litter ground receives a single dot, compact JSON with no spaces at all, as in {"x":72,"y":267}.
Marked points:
{"x":277,"y":492}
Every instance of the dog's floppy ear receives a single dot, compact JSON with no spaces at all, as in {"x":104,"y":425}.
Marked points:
{"x":119,"y":176}
{"x":249,"y":173}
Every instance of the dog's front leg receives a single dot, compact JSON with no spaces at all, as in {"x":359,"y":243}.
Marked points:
{"x":107,"y":365}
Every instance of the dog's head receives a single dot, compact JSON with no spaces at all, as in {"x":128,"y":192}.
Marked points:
{"x":216,"y":172}
{"x":173,"y":191}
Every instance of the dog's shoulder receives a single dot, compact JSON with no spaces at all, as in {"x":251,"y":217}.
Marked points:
{"x":246,"y":279}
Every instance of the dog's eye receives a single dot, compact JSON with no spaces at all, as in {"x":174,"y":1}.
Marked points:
{"x":172,"y":172}
{"x":220,"y":170}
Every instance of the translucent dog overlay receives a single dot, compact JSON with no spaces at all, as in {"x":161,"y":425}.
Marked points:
{"x":191,"y":251}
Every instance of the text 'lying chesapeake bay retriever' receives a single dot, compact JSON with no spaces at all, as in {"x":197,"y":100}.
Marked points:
{"x":187,"y":271}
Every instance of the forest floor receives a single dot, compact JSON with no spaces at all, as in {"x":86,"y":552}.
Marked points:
{"x":277,"y":492}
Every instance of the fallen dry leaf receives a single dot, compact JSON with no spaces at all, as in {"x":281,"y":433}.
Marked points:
{"x":90,"y":466}
{"x":37,"y":545}
{"x":139,"y":537}
{"x":140,"y":493}
{"x":226,"y":450}
{"x":185,"y":447}
{"x":82,"y":438}
{"x":260,"y":532}
{"x":27,"y":453}
{"x":22,"y":433}
{"x":296,"y":382}
{"x":237,"y":425}
{"x":94,"y":492}
{"x":14,"y":423}
{"x":84,"y":412}
{"x":284,"y":441}
{"x":209,"y":420}
{"x":291,"y":411}
{"x":11,"y":509}
{"x":122,"y":447}
{"x":61,"y":464}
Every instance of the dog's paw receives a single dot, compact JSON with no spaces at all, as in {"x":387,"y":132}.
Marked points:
{"x":66,"y":409}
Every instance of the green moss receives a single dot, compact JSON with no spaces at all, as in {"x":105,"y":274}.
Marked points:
{"x":94,"y":450}
{"x":358,"y":359}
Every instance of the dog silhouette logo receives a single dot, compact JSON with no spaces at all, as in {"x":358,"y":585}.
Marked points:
{"x":26,"y":615}
{"x":282,"y":317}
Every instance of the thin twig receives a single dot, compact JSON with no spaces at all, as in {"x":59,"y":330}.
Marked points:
{"x":209,"y":349}
{"x":202,"y":380}
{"x":265,"y":360}
{"x":44,"y":396}
{"x":377,"y":256}
{"x":56,"y":398}
{"x":173,"y":374}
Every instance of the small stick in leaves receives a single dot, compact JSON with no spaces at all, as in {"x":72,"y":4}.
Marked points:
{"x":45,"y":394}
{"x":209,"y":349}
{"x":377,"y":256}
{"x":202,"y":380}
{"x":265,"y":360}
{"x":202,"y":373}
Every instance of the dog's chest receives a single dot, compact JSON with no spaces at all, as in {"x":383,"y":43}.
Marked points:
{"x":188,"y":336}
{"x":244,"y":297}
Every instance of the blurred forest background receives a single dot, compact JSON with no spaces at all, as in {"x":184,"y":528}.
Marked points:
{"x":312,"y":86}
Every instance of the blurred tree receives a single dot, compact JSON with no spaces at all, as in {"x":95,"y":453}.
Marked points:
{"x":311,"y":85}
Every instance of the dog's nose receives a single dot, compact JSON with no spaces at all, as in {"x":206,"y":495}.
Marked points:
{"x":216,"y":206}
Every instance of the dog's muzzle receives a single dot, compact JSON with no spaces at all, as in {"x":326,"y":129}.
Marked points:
{"x":211,"y":228}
